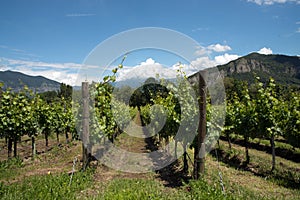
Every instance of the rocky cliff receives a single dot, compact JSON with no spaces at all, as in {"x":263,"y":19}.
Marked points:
{"x":284,"y":69}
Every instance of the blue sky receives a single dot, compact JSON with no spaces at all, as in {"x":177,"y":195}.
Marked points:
{"x":53,"y":37}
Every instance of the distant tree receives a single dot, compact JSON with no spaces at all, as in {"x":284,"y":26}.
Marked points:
{"x":123,"y":93}
{"x":49,"y":96}
{"x":65,"y":91}
{"x":137,"y":99}
{"x":145,"y":94}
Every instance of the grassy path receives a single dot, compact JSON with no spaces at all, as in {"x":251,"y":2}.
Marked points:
{"x":133,"y":139}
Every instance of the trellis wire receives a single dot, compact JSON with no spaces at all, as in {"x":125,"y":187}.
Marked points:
{"x":73,"y":170}
{"x":220,"y":174}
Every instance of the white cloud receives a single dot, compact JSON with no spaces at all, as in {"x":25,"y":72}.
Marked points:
{"x":271,"y":2}
{"x":150,"y":68}
{"x":18,"y":51}
{"x":219,"y":47}
{"x":74,"y":73}
{"x":149,"y":61}
{"x":265,"y":51}
{"x":61,"y":72}
{"x":45,"y":64}
{"x":146,"y":69}
{"x":60,"y":76}
{"x":298,"y":30}
{"x":205,"y":62}
{"x":201,"y":51}
{"x":226,"y":58}
{"x":3,"y":67}
{"x":202,"y":63}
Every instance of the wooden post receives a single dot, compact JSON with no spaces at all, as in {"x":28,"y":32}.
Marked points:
{"x":85,"y":125}
{"x":199,"y":152}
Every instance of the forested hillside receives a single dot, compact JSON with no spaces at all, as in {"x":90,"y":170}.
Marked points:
{"x":16,"y":81}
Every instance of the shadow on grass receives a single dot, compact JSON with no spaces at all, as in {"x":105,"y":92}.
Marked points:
{"x":172,"y":175}
{"x":281,"y":152}
{"x":288,"y":178}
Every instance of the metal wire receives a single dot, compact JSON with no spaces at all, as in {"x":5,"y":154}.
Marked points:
{"x":73,"y":170}
{"x":220,"y":174}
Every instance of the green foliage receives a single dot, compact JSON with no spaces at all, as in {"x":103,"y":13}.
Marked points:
{"x":292,"y":121}
{"x":176,"y":103}
{"x":103,"y":100}
{"x":146,"y":114}
{"x":107,"y":109}
{"x":14,"y":108}
{"x":264,"y":114}
{"x":268,"y":109}
{"x":47,"y":187}
{"x":149,"y":90}
{"x":123,"y":94}
{"x":11,"y":163}
{"x":25,"y":113}
{"x":65,"y":91}
{"x":49,"y":96}
{"x":167,"y":108}
{"x":214,"y":122}
{"x":16,"y":117}
{"x":122,"y":114}
{"x":64,"y":121}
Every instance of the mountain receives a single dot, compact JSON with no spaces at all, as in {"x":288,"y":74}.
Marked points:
{"x":132,"y":82}
{"x":17,"y":80}
{"x":284,"y":69}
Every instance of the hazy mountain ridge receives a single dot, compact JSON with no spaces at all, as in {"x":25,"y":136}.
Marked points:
{"x":284,"y":69}
{"x":17,"y":80}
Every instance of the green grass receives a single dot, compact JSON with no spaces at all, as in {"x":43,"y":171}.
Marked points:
{"x":257,"y":178}
{"x":279,"y":142}
{"x":46,"y":187}
{"x":135,"y":189}
{"x":57,"y":187}
{"x":10,"y":168}
{"x":29,"y":179}
{"x":286,"y":173}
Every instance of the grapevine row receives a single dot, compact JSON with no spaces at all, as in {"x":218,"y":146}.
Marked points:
{"x":25,"y":113}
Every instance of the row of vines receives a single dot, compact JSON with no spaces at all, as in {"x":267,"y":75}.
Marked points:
{"x":262,"y":113}
{"x":170,"y":111}
{"x":24,"y":113}
{"x":265,"y":113}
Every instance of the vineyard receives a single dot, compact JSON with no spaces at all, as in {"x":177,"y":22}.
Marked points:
{"x":258,"y":141}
